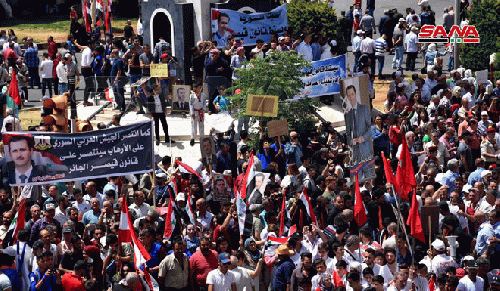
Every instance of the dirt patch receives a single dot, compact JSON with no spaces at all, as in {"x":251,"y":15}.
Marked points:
{"x":381,"y":87}
{"x":29,"y":118}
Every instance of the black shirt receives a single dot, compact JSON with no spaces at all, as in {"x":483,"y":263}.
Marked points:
{"x":128,"y":31}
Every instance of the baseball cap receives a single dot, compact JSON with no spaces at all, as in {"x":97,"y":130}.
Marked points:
{"x":180,"y":197}
{"x":161,"y":176}
{"x":240,"y":49}
{"x":333,"y":42}
{"x":484,"y":113}
{"x":359,"y":31}
{"x":50,"y":206}
{"x":164,"y":56}
{"x":438,"y":245}
{"x":67,"y":55}
{"x":490,"y":129}
{"x":224,"y":258}
{"x":67,"y":230}
{"x":214,"y":51}
{"x":281,"y":38}
{"x":472,"y":264}
{"x":402,"y":19}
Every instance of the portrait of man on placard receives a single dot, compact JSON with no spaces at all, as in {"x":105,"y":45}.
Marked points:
{"x":357,"y":115}
{"x":180,"y":98}
{"x":207,"y":148}
{"x":22,"y":169}
{"x":223,"y":31}
{"x":221,"y":190}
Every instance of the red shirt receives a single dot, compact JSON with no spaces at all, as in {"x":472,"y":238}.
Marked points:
{"x":56,"y":62}
{"x":52,"y":50}
{"x":201,"y":266}
{"x":9,"y":53}
{"x":72,"y":282}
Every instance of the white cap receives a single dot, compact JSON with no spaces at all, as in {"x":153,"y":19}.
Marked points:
{"x":484,"y":113}
{"x":402,"y":19}
{"x":333,"y":42}
{"x":359,"y":31}
{"x":485,"y":173}
{"x":438,"y":245}
{"x":180,"y":197}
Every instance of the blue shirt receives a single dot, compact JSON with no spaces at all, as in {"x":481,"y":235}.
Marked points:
{"x":485,"y":232}
{"x":316,"y":50}
{"x":48,"y":284}
{"x":97,"y":65}
{"x":191,"y":245}
{"x":283,"y":275}
{"x":116,"y":67}
{"x":293,"y":153}
{"x":380,"y":139}
{"x":449,"y":179}
{"x":14,"y":278}
{"x":71,"y":46}
{"x":90,"y":217}
{"x":31,"y":58}
{"x":475,"y":176}
{"x":223,"y":102}
{"x":155,"y":256}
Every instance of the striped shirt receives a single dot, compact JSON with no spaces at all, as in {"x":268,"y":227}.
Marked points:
{"x":380,"y":45}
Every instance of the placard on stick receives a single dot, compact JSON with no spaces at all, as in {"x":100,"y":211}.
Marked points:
{"x":277,"y":127}
{"x":482,"y":77}
{"x":262,"y":105}
{"x":159,"y":70}
{"x":431,"y":211}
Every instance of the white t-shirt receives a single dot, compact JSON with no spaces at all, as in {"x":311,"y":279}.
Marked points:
{"x":61,"y":73}
{"x":466,"y":284}
{"x":82,"y":207}
{"x":87,"y":57}
{"x":242,"y":278}
{"x":47,"y":68}
{"x":220,"y":281}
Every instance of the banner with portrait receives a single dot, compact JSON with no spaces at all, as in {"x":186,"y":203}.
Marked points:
{"x":36,"y":158}
{"x":323,"y":78}
{"x":358,"y":121}
{"x":248,"y":28}
{"x":180,"y":97}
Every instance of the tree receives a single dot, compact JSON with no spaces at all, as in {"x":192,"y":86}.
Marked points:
{"x":277,"y":74}
{"x":485,"y":16}
{"x":306,"y":16}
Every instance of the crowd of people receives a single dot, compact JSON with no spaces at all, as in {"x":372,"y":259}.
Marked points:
{"x":302,"y":232}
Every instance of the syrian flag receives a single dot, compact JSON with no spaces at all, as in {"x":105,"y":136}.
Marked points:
{"x":187,"y":168}
{"x":307,"y":202}
{"x":241,"y":208}
{"x":86,"y":16}
{"x":248,"y":183}
{"x":190,"y":210}
{"x":110,"y":94}
{"x":359,"y":207}
{"x":405,"y":176}
{"x":414,"y":220}
{"x":16,"y":224}
{"x":14,"y":89}
{"x":99,"y":11}
{"x":170,"y":220}
{"x":282,"y":240}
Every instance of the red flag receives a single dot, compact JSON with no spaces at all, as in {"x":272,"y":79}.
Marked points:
{"x":307,"y":202}
{"x":282,"y":214}
{"x":86,"y":16}
{"x":337,"y":281}
{"x":414,"y":220}
{"x":405,"y":176}
{"x":14,"y":89}
{"x":359,"y":207}
{"x":432,"y":286}
{"x":169,"y":220}
{"x":389,"y":175}
{"x":187,"y":168}
{"x":147,"y":277}
{"x":283,"y":240}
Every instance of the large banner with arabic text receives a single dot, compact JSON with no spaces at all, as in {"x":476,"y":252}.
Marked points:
{"x":323,"y":78}
{"x":247,"y":28}
{"x":35,"y":158}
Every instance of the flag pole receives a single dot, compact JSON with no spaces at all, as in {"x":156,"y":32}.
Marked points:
{"x":399,"y":217}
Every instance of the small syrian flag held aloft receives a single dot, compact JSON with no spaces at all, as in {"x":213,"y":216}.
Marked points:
{"x":190,"y":211}
{"x":307,"y":202}
{"x":16,"y":225}
{"x":170,"y":220}
{"x":248,"y":183}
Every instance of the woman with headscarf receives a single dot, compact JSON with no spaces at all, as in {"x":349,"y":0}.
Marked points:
{"x":252,"y":253}
{"x":430,"y":55}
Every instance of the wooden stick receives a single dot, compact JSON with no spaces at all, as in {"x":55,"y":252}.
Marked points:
{"x":430,"y":232}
